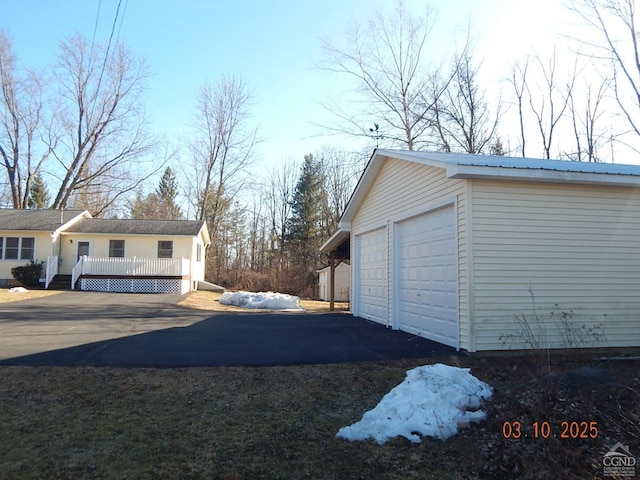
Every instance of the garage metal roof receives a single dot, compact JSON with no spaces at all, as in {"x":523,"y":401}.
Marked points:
{"x":458,"y":165}
{"x":519,"y":163}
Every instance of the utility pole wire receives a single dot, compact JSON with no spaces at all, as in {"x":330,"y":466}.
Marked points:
{"x":106,"y":54}
{"x":95,"y":29}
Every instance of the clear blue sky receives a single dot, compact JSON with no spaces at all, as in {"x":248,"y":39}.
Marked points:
{"x":272,"y":45}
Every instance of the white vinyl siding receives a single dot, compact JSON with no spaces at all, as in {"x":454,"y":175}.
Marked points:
{"x":342,"y":280}
{"x":404,"y":189}
{"x":38,"y":246}
{"x":571,"y":249}
{"x":141,"y":246}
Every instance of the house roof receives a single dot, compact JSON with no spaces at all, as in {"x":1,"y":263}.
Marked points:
{"x":137,"y":227}
{"x":80,"y":221}
{"x":459,"y":165}
{"x":36,"y":220}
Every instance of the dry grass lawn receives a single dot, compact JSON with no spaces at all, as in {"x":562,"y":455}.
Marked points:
{"x":208,"y":423}
{"x":6,"y":297}
{"x":234,"y":423}
{"x":202,"y":300}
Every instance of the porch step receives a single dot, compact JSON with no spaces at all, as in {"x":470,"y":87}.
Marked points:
{"x":60,"y":282}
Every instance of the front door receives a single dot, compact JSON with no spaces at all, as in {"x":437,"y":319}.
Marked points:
{"x":83,"y":249}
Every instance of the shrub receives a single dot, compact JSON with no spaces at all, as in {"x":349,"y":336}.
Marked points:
{"x":28,"y":275}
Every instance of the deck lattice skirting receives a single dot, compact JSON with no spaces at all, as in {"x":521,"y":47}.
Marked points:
{"x":135,"y":285}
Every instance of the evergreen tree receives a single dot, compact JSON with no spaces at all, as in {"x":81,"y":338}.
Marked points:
{"x":305,"y":231}
{"x":496,"y":148}
{"x":159,"y":205}
{"x":166,"y":195}
{"x":143,"y":207}
{"x":38,"y":194}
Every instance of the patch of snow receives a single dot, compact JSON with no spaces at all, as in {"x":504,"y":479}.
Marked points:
{"x":17,"y":290}
{"x":266,"y":300}
{"x":433,"y":400}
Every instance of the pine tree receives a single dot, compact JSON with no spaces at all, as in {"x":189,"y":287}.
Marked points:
{"x":159,"y":205}
{"x":143,"y":207}
{"x":305,"y":226}
{"x":496,"y":148}
{"x":166,"y":195}
{"x":38,"y":194}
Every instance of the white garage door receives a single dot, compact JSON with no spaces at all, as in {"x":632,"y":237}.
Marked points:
{"x":371,"y":281}
{"x":427,"y":279}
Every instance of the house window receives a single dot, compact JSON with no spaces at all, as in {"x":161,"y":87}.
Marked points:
{"x":17,"y":248}
{"x":27,"y":248}
{"x":12,"y":248}
{"x":165,"y":249}
{"x":198,"y":253}
{"x":116,"y":248}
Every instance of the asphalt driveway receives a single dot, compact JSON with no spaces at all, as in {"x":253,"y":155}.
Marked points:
{"x":138,"y":330}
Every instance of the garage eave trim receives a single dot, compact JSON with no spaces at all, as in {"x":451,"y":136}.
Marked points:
{"x":539,"y":175}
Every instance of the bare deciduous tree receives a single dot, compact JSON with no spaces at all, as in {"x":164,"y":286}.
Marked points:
{"x":615,"y":25}
{"x":386,"y":58}
{"x":519,"y":83}
{"x":340,"y":172}
{"x":548,"y":100}
{"x":101,"y":124}
{"x":586,"y":114}
{"x":282,"y":183}
{"x":462,"y":116}
{"x":221,"y":146}
{"x":21,"y":110}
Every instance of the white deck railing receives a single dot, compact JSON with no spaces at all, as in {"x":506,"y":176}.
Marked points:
{"x":51,"y":270}
{"x":76,"y":271}
{"x":133,"y":266}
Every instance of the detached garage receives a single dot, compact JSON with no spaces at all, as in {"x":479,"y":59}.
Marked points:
{"x":495,"y":253}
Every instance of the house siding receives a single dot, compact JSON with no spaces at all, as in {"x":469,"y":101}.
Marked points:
{"x":403,"y":190}
{"x":141,"y":246}
{"x":197,"y":267}
{"x":43,"y":249}
{"x":563,"y":257}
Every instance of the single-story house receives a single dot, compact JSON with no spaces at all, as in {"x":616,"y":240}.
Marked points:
{"x":342,"y":279}
{"x":488,"y":253}
{"x":154,"y":256}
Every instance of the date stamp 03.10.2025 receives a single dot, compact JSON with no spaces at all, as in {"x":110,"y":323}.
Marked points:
{"x":544,"y":429}
{"x":617,"y":462}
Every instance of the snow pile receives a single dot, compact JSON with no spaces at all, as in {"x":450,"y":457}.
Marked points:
{"x":17,"y":290}
{"x":267,"y":300}
{"x":434,"y":400}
